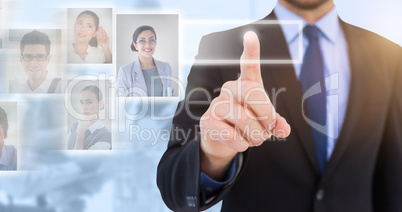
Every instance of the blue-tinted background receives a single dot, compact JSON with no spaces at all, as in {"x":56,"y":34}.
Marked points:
{"x":123,"y":179}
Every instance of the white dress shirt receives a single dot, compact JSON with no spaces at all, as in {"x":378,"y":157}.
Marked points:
{"x":24,"y":87}
{"x":94,"y":55}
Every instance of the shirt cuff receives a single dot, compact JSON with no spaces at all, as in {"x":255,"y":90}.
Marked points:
{"x":210,"y":187}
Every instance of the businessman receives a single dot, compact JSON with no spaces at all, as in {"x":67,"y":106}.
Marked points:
{"x":324,"y":136}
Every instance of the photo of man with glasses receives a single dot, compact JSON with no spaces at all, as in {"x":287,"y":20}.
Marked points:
{"x":35,"y":58}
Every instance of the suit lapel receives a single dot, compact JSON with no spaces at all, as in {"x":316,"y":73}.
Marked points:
{"x":359,"y":63}
{"x":162,"y":74}
{"x":274,"y":46}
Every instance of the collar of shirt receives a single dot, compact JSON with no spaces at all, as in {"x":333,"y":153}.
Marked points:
{"x":44,"y":87}
{"x":95,"y":126}
{"x":5,"y":157}
{"x":334,"y":50}
{"x":328,"y":24}
{"x":90,"y":50}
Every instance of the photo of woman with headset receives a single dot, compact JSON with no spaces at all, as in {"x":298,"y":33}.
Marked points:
{"x":91,"y":41}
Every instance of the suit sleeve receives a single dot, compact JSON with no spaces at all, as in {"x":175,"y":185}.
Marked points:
{"x":388,"y":175}
{"x":179,"y":168}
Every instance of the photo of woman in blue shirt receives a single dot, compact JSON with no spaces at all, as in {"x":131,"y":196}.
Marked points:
{"x":8,"y":153}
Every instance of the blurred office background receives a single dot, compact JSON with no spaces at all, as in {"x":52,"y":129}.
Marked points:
{"x":124,"y":179}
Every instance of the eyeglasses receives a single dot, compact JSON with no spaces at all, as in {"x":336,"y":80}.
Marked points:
{"x":143,"y":42}
{"x":30,"y":57}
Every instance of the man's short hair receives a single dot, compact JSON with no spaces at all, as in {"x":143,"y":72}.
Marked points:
{"x":35,"y":38}
{"x":3,"y":120}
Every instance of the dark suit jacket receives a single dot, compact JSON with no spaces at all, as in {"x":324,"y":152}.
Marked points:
{"x":364,"y":172}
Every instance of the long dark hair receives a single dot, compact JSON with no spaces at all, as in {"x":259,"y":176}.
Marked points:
{"x":93,"y":42}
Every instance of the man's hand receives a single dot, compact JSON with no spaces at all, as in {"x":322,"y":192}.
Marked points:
{"x":242,"y":116}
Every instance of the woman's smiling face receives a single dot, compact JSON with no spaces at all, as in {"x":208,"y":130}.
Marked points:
{"x":84,"y":28}
{"x":145,"y":43}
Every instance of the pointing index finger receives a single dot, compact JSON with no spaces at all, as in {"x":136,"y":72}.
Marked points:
{"x":250,"y":58}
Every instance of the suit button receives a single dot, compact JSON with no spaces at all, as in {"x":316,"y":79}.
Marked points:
{"x":319,"y":195}
{"x":191,"y":201}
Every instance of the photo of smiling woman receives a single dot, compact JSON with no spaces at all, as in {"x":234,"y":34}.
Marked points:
{"x":145,"y":76}
{"x":90,"y":40}
{"x":89,"y":133}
